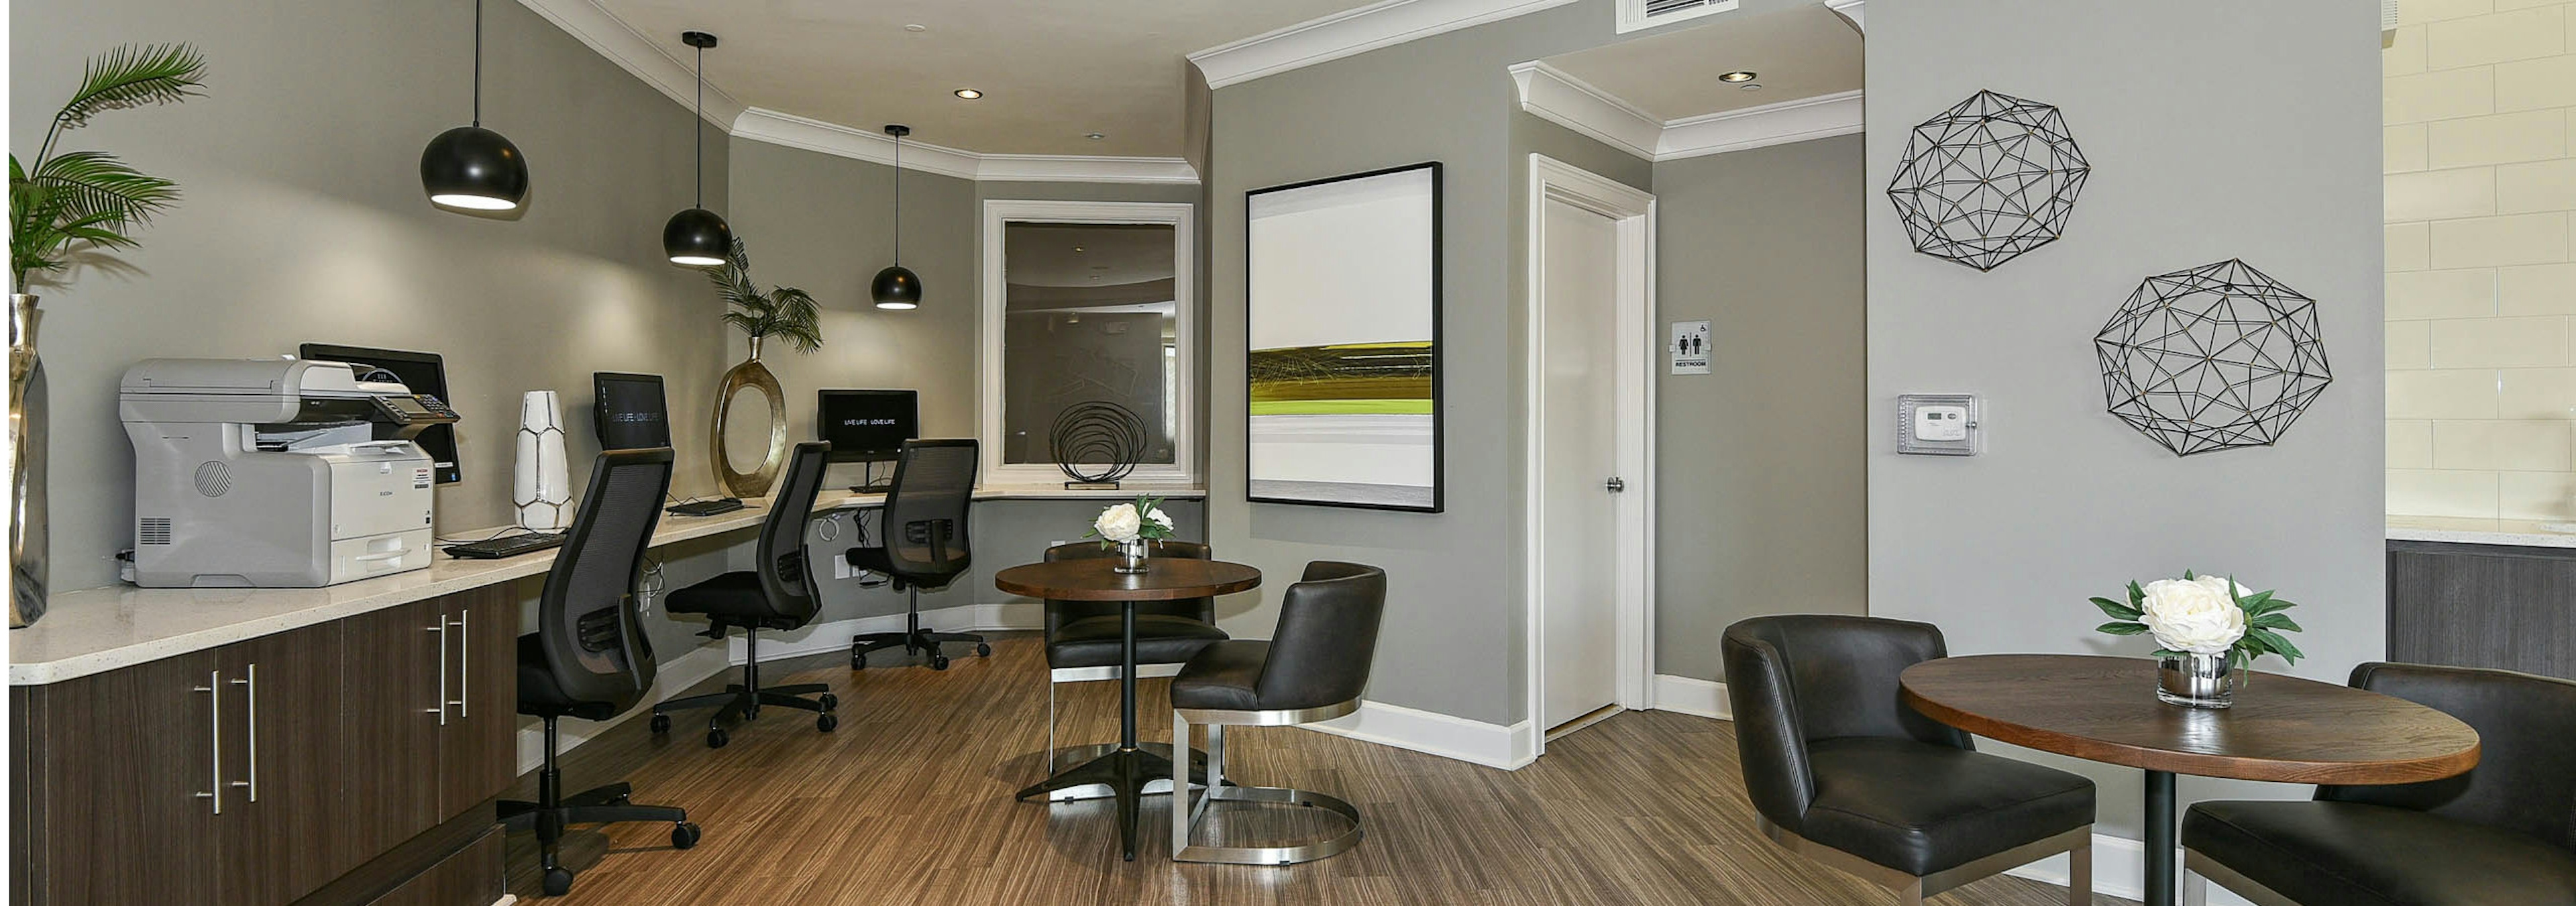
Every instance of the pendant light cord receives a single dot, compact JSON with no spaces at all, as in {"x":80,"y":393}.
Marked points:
{"x":478,"y":63}
{"x":898,"y":200}
{"x":698,"y":126}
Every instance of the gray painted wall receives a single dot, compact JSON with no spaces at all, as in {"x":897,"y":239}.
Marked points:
{"x":2255,"y":140}
{"x":1762,"y":501}
{"x":1451,"y":642}
{"x":304,"y":220}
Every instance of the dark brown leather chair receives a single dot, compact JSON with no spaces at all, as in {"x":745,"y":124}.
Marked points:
{"x":1312,"y":669}
{"x":1084,"y":641}
{"x":2503,"y":834}
{"x":1842,"y":772}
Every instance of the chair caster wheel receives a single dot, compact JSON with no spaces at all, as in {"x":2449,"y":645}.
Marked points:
{"x":858,"y":662}
{"x":830,"y":701}
{"x":826,"y":722}
{"x":983,"y":649}
{"x":684,"y":835}
{"x":716,"y":739}
{"x":661,"y":724}
{"x":558,"y":881}
{"x":938,"y":662}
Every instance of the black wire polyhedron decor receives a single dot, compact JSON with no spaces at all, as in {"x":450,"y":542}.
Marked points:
{"x":2211,"y":358}
{"x":1987,"y":180}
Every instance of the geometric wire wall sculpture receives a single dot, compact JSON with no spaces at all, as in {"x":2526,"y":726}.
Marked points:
{"x":1987,"y":180}
{"x":1100,"y":433}
{"x":2213,"y":357}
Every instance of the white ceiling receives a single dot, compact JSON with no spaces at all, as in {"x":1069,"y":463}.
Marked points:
{"x":1800,"y":52}
{"x":1051,"y":70}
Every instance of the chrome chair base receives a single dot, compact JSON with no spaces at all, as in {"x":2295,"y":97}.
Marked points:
{"x":1187,"y":809}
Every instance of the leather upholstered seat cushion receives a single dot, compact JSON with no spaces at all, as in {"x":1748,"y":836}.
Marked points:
{"x":1224,"y":676}
{"x":1095,"y":641}
{"x":1922,"y":808}
{"x":733,"y":598}
{"x":541,"y":696}
{"x":2357,"y":854}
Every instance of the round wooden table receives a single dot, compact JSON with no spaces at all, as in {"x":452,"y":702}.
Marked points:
{"x":1126,"y":769}
{"x":2104,"y":709}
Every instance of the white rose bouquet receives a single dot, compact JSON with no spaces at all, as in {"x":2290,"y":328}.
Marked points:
{"x":1143,"y":520}
{"x":2204,"y":615}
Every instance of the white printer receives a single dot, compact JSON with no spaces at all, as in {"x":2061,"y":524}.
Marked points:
{"x":275,"y":473}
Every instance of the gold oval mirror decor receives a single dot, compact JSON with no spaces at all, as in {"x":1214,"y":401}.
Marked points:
{"x":785,"y":312}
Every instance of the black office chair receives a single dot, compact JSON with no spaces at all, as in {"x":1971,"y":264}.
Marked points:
{"x":924,"y":544}
{"x":1084,"y":638}
{"x":2503,"y":834}
{"x":589,"y":657}
{"x":1312,"y":669}
{"x":1842,"y":772}
{"x":776,"y":593}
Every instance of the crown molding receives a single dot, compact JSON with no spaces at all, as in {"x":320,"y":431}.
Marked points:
{"x":612,"y":38}
{"x":1757,"y":127}
{"x":1351,"y":32}
{"x":1850,"y":11}
{"x":790,"y":130}
{"x":1575,"y":104}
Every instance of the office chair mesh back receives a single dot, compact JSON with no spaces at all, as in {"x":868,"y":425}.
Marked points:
{"x":1059,"y":613}
{"x":925,"y":512}
{"x":593,"y":644}
{"x":784,"y":576}
{"x":1326,"y":639}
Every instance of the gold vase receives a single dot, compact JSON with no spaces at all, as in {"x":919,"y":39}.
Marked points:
{"x":751,"y":373}
{"x":27,"y":429}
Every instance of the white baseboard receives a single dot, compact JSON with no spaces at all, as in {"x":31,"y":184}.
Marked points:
{"x":817,"y":638}
{"x":2119,"y":870}
{"x":670,"y":678}
{"x":1698,"y":697}
{"x":1475,"y":742}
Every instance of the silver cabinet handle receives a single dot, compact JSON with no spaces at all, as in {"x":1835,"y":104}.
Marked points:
{"x":250,"y":726}
{"x":214,"y":737}
{"x":440,"y":627}
{"x":464,"y":661}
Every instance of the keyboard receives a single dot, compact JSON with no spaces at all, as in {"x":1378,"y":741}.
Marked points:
{"x":506,"y":546}
{"x":871,"y":488}
{"x":705,"y":507}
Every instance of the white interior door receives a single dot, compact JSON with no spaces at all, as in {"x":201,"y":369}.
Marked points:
{"x":1578,"y":449}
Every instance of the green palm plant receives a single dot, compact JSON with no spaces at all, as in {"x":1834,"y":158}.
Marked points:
{"x":785,"y":311}
{"x":91,"y":196}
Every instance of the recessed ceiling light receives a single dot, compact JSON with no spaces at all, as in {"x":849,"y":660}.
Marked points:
{"x":1749,"y":86}
{"x":916,"y":29}
{"x":1740,"y":75}
{"x":1094,"y":136}
{"x":1077,"y":249}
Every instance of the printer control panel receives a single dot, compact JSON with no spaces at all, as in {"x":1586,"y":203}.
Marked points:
{"x":416,"y":409}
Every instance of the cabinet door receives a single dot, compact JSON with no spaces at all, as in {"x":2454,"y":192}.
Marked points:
{"x":471,"y":877}
{"x":122,"y":767}
{"x":282,"y":766}
{"x":390,"y":722}
{"x":478,"y":752}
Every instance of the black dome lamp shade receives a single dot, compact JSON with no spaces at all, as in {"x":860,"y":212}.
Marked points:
{"x":697,"y":237}
{"x":897,"y":287}
{"x":470,"y":167}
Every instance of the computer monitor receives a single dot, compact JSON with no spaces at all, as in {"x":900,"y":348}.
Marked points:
{"x":422,"y":373}
{"x":628,"y":411}
{"x":867,"y":425}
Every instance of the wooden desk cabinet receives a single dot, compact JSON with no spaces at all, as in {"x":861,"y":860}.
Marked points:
{"x":266,"y":770}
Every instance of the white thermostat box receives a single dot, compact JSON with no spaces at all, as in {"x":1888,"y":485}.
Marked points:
{"x":1937,"y":424}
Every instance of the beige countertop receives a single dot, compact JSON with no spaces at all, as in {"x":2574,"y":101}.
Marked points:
{"x":2508,"y":532}
{"x":101,"y":629}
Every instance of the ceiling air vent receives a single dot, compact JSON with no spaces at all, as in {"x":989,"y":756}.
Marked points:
{"x":1636,"y":14}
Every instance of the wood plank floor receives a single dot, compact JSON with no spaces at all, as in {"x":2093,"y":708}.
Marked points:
{"x":910,"y":803}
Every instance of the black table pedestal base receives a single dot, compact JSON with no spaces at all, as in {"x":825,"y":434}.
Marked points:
{"x":2160,"y":838}
{"x":1125,"y":772}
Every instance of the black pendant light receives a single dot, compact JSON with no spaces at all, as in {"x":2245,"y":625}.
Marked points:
{"x":697,"y":237}
{"x":897,"y":287}
{"x":470,"y":167}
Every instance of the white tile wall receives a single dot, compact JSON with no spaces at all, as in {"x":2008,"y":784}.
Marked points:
{"x":2480,"y":147}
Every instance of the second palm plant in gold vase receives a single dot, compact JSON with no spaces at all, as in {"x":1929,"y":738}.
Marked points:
{"x":784,"y":312}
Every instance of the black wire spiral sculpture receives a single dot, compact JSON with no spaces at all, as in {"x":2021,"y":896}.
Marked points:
{"x":1102,"y":433}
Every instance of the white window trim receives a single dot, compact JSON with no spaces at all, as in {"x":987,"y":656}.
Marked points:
{"x":1632,"y":14}
{"x":1184,"y":469}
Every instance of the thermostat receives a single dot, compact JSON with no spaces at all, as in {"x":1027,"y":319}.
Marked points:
{"x":1937,"y":424}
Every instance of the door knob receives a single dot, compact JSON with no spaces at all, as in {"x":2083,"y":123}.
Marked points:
{"x":1615,"y":484}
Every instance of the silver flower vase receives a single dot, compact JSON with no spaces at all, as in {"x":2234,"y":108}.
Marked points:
{"x":27,"y":429}
{"x":2197,"y":681}
{"x":1131,"y":558}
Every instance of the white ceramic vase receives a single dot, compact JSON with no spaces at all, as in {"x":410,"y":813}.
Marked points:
{"x":541,"y":485}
